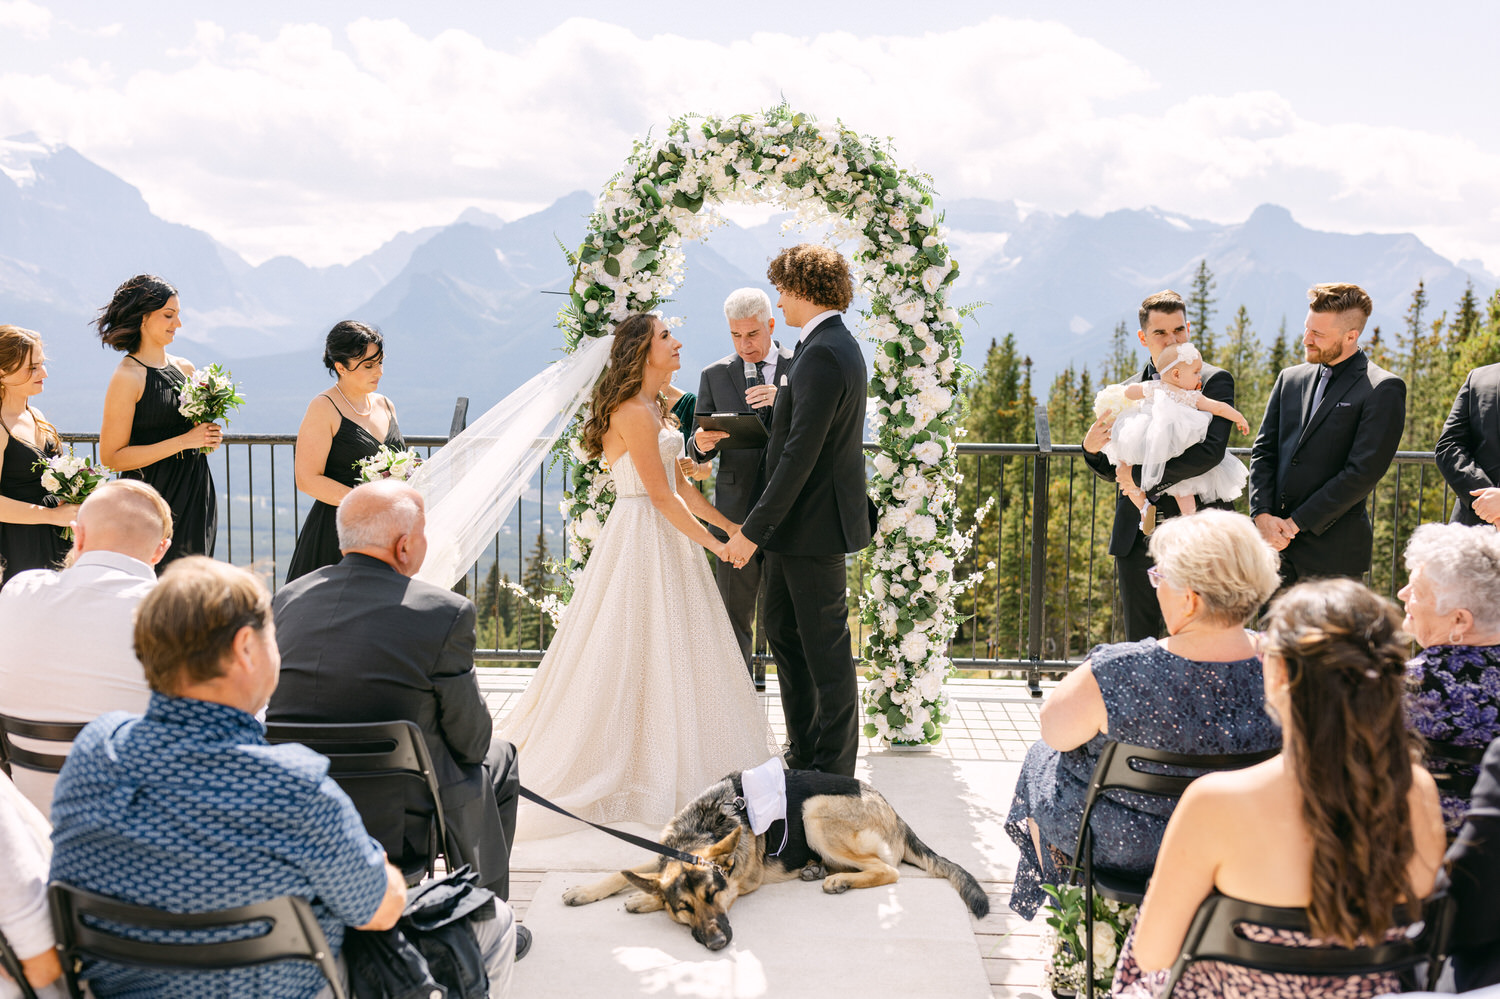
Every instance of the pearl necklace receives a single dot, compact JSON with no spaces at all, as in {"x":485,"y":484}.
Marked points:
{"x":367,"y":410}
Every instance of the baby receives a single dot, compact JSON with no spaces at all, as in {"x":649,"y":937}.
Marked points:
{"x":1158,"y":420}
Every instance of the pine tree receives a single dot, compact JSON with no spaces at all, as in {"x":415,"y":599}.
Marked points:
{"x":1280,"y":356}
{"x":496,"y":609}
{"x":1466,"y":315}
{"x":532,"y":625}
{"x":1200,"y":309}
{"x":1121,"y":361}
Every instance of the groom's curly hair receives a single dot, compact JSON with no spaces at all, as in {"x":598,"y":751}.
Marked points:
{"x":621,"y":380}
{"x":817,"y":273}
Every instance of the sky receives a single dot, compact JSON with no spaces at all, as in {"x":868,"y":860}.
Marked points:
{"x":321,"y":130}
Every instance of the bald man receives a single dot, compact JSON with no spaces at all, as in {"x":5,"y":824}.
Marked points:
{"x":361,"y":641}
{"x":69,"y":653}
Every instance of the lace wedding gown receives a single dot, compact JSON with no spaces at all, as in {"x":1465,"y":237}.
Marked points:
{"x":642,"y":700}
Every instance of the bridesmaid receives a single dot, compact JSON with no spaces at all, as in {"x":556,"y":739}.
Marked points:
{"x":143,"y":436}
{"x":30,"y":521}
{"x":344,"y":424}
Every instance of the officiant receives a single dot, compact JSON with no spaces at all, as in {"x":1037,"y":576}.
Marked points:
{"x":743,"y":382}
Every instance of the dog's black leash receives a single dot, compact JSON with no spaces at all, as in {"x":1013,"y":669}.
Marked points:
{"x":646,"y":844}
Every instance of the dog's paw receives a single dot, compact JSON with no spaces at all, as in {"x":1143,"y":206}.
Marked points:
{"x":836,"y":884}
{"x":643,"y":902}
{"x":578,"y":896}
{"x":814,"y":872}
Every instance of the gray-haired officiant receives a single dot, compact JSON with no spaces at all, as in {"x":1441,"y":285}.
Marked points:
{"x":743,"y":382}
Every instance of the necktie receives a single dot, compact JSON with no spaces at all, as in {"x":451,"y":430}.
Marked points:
{"x":760,"y":372}
{"x":1323,"y":377}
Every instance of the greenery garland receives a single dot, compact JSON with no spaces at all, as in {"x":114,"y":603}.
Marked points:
{"x":631,"y":261}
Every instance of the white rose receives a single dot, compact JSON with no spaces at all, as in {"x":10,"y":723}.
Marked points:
{"x":898,"y":590}
{"x":932,"y":278}
{"x":939,"y":562}
{"x":50,"y":482}
{"x":929,"y":582}
{"x":926,"y":219}
{"x":909,"y":310}
{"x":914,"y":646}
{"x":903,"y":254}
{"x":928,"y":452}
{"x":884,"y":465}
{"x":1105,"y":946}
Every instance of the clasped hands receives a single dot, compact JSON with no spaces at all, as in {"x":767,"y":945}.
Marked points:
{"x":1278,"y":531}
{"x":739,"y":550}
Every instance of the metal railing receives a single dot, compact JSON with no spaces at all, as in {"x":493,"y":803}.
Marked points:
{"x":1050,"y":598}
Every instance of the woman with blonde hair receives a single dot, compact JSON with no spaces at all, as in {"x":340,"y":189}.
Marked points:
{"x":1344,"y":822}
{"x":1198,"y":691}
{"x":31,"y":520}
{"x":642,"y":700}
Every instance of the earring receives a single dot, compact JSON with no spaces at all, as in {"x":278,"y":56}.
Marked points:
{"x":1454,"y":636}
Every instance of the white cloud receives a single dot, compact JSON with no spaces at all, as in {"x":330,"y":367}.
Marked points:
{"x":31,"y":21}
{"x":320,"y":142}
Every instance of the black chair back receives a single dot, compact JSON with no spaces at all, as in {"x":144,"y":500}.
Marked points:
{"x":1452,"y":778}
{"x":1118,"y":769}
{"x":78,"y":918}
{"x":11,"y":962}
{"x":30,"y":759}
{"x":1214,"y":935}
{"x":376,"y":764}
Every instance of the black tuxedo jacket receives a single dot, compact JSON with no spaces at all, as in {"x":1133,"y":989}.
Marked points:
{"x":362,"y":643}
{"x":1468,"y":449}
{"x":1218,"y":385}
{"x":741,"y":473}
{"x":1473,"y":874}
{"x":1320,"y":474}
{"x":814,"y":502}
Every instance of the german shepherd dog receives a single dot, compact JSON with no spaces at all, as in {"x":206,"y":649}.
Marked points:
{"x":842,"y":832}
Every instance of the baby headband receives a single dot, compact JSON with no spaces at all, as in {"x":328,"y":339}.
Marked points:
{"x":1186,"y":353}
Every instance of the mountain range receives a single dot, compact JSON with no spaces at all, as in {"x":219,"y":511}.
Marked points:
{"x":468,"y":308}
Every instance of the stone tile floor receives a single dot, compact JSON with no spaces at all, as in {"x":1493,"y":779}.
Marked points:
{"x":992,"y":720}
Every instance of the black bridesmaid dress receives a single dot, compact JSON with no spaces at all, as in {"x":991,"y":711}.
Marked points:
{"x":28,"y":546}
{"x":182,"y":479}
{"x":318,"y":544}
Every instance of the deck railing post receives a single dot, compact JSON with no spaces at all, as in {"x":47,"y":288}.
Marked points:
{"x":1038,"y":589}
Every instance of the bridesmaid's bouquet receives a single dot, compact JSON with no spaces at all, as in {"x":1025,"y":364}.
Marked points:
{"x":70,"y":478}
{"x":209,"y":396}
{"x":388,"y":463}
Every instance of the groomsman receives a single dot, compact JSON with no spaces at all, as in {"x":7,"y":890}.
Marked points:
{"x":1164,"y":323}
{"x":1331,"y":428}
{"x":1468,"y":450}
{"x":743,"y":382}
{"x":813,"y":511}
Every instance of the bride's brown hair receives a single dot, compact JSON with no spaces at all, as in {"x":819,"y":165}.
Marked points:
{"x":1347,"y":744}
{"x":622,"y":379}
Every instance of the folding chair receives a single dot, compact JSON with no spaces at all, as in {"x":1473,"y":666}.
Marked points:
{"x":1117,"y":769}
{"x":80,"y":918}
{"x":1451,"y":781}
{"x":29,"y":759}
{"x":375,"y":763}
{"x":1214,"y":935}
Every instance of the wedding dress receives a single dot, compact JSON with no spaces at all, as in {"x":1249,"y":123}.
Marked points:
{"x":642,"y":700}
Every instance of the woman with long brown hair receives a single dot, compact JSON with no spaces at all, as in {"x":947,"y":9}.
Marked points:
{"x":642,"y":699}
{"x":31,"y":521}
{"x":1345,"y":822}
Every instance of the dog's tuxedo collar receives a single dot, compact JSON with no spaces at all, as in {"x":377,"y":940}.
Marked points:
{"x":761,"y":794}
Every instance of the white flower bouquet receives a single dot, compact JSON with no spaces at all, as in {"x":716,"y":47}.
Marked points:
{"x":388,"y":463}
{"x":71,"y":478}
{"x":1065,"y":968}
{"x":209,"y":396}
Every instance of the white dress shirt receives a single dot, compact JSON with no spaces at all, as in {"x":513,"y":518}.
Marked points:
{"x":812,"y":324}
{"x":69,"y":649}
{"x":27,"y":850}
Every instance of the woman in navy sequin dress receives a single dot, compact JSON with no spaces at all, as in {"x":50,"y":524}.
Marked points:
{"x":1452,"y":603}
{"x":1199,"y":691}
{"x":142,"y":435}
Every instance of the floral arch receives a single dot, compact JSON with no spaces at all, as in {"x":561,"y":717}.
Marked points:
{"x":631,"y":261}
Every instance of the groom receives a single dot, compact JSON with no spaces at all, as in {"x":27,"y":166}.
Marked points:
{"x":813,"y":511}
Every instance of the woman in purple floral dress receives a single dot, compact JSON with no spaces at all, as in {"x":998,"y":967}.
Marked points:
{"x":1453,"y":611}
{"x":1342,"y":823}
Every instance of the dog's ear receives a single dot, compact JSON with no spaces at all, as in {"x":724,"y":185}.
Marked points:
{"x":650,"y":886}
{"x":723,"y":850}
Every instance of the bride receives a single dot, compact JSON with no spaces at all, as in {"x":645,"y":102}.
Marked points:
{"x":642,"y":700}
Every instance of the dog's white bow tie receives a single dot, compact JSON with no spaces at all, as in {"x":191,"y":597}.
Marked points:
{"x":765,"y":794}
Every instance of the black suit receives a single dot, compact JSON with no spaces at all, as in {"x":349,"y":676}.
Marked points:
{"x":1320,"y":473}
{"x":737,"y":483}
{"x":1126,"y":542}
{"x":1468,"y":449}
{"x":360,"y":642}
{"x":1473,"y":874}
{"x":813,"y":511}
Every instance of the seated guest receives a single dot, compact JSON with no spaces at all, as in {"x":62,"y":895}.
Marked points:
{"x":23,"y":893}
{"x":1342,"y":823}
{"x":1452,"y":600}
{"x":1199,"y":691}
{"x":362,"y":642}
{"x":68,"y":636}
{"x":1473,"y":872}
{"x":187,"y":809}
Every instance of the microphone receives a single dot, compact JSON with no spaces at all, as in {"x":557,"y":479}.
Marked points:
{"x":752,"y":376}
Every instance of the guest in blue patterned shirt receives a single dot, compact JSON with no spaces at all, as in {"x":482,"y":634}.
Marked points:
{"x":188,"y":809}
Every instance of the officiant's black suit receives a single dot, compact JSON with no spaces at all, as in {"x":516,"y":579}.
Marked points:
{"x":360,"y":642}
{"x":813,"y":511}
{"x":1468,"y":449}
{"x":1127,"y":544}
{"x":737,"y":484}
{"x":1317,"y":468}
